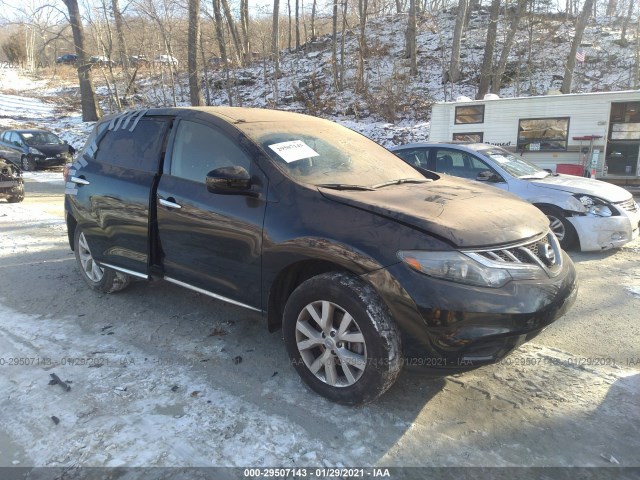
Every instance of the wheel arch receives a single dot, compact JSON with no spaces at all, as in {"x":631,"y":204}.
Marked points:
{"x":288,"y":279}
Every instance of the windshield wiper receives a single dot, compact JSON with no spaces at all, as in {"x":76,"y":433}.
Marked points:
{"x":344,"y":186}
{"x":400,"y":181}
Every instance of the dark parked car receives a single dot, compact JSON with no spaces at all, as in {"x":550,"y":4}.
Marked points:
{"x":362,"y":262}
{"x":102,"y":61}
{"x":11,"y":181}
{"x":33,"y":149}
{"x":67,"y":58}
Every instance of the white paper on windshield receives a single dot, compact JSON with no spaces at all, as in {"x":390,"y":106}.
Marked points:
{"x":500,"y":158}
{"x":293,"y":150}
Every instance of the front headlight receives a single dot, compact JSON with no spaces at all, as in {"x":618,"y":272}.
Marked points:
{"x":595,"y":206}
{"x":455,"y":267}
{"x":35,"y":151}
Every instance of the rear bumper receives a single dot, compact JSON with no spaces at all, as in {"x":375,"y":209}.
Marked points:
{"x":450,"y":326}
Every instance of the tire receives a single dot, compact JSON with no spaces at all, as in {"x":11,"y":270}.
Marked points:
{"x":100,"y":279}
{"x":374,"y":346}
{"x":15,"y":199}
{"x":561,"y":227}
{"x":28,"y":165}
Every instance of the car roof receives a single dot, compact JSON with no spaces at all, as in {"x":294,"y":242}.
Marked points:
{"x":29,"y":130}
{"x":469,"y":147}
{"x":234,"y":115}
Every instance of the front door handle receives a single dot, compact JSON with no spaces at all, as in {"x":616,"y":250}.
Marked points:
{"x":80,"y":181}
{"x":169,"y":203}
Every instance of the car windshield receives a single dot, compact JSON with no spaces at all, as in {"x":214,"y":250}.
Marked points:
{"x":41,"y":138}
{"x":514,"y":165}
{"x":323,"y":153}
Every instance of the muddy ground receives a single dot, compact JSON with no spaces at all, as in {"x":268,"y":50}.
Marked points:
{"x":162,"y":376}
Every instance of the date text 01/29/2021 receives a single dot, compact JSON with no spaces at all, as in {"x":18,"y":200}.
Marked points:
{"x":324,"y":472}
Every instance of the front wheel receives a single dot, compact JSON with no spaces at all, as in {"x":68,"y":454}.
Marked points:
{"x":28,"y":164}
{"x":101,"y":279}
{"x":561,"y":227}
{"x":341,"y":338}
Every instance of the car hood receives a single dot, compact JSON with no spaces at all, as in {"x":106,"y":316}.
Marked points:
{"x":460,"y":212}
{"x":52,"y":150}
{"x":572,"y":184}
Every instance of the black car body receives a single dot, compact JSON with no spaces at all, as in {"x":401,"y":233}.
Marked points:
{"x":11,"y":182}
{"x":32,"y":149}
{"x":67,"y":58}
{"x":363,"y":263}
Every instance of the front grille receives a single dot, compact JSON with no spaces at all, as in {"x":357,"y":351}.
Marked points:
{"x":527,"y":253}
{"x":543,"y":252}
{"x":628,"y":205}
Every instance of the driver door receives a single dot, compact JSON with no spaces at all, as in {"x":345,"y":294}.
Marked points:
{"x":210,"y":241}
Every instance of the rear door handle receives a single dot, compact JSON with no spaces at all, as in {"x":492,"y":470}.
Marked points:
{"x":80,"y":181}
{"x":169,"y":203}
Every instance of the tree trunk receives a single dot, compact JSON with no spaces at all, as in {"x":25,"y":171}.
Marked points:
{"x":508,"y":44}
{"x":362,"y":44}
{"x":487,"y":61}
{"x":234,"y":31}
{"x":410,"y":38}
{"x":193,"y":40}
{"x":625,"y":24}
{"x":454,"y":65}
{"x":217,"y":15}
{"x":471,"y":6}
{"x":244,"y":23}
{"x":334,"y":44}
{"x":289,"y":35}
{"x":612,"y":6}
{"x":275,"y":48}
{"x":122,"y":47}
{"x":297,"y":13}
{"x":345,"y":4}
{"x":314,"y":7}
{"x":90,"y":108}
{"x":583,"y":19}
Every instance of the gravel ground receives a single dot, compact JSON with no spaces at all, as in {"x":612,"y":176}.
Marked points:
{"x":162,"y":376}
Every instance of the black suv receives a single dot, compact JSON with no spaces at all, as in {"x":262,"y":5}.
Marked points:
{"x":67,"y":58}
{"x":363,"y":262}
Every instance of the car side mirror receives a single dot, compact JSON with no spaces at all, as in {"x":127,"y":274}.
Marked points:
{"x":229,"y":180}
{"x":489,"y":176}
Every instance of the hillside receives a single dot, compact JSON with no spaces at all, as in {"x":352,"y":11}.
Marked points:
{"x":394,"y":108}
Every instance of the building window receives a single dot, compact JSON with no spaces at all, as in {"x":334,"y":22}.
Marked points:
{"x":470,"y":114}
{"x":475,"y":137}
{"x":541,"y":134}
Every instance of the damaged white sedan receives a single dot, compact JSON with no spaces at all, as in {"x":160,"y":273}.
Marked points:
{"x":583,"y":213}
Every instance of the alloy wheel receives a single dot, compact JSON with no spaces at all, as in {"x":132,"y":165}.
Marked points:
{"x":331,"y":343}
{"x":91,"y":269}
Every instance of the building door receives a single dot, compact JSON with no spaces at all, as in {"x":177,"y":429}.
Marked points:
{"x":623,"y":141}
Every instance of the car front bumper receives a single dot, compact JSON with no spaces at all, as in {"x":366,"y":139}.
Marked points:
{"x":43,"y":161}
{"x":604,"y":233}
{"x":450,"y":326}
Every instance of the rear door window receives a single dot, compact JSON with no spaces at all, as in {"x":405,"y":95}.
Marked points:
{"x":140,"y":149}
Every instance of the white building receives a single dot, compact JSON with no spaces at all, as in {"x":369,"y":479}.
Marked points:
{"x":592,"y":130}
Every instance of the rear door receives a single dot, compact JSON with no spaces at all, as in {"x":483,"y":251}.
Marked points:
{"x":112,"y":197}
{"x":211,"y":241}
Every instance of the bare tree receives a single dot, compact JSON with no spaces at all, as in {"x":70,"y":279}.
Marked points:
{"x":490,"y":45}
{"x":625,"y":24}
{"x":454,"y":65}
{"x":362,"y":44}
{"x":297,"y":14}
{"x":244,"y":24}
{"x":577,"y":39}
{"x":334,"y":43}
{"x":314,"y":7}
{"x":508,"y":45}
{"x":234,"y":31}
{"x":90,"y":108}
{"x":195,"y":92}
{"x":410,"y":38}
{"x":275,"y":47}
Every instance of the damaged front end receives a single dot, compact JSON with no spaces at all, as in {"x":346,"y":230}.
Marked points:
{"x":11,"y":182}
{"x":603,"y":225}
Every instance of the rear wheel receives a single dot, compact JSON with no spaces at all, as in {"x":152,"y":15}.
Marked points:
{"x":341,"y":338}
{"x":101,"y":279}
{"x":561,"y":227}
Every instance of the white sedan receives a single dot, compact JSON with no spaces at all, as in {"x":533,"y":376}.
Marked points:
{"x":584,"y":213}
